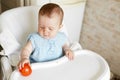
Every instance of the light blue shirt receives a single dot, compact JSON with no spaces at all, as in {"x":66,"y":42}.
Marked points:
{"x":46,"y":49}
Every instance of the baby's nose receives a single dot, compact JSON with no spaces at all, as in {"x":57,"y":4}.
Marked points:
{"x":46,"y":31}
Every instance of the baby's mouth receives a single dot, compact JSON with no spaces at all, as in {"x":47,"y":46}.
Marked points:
{"x":46,"y":37}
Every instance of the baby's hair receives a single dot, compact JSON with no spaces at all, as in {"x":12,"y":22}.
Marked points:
{"x":50,"y":8}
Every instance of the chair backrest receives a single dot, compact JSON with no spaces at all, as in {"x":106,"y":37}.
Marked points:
{"x":24,"y":20}
{"x":20,"y":22}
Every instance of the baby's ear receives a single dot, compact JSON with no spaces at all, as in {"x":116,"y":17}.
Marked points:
{"x":61,"y":26}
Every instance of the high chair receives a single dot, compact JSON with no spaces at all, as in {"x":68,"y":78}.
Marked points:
{"x":16,"y":24}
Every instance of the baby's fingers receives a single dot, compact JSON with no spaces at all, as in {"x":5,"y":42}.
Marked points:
{"x":22,"y":62}
{"x":71,"y":56}
{"x":20,"y":66}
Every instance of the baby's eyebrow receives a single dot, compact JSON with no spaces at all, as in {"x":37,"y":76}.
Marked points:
{"x":40,"y":24}
{"x":51,"y":27}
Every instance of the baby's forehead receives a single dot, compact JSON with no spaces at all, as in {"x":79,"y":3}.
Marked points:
{"x":54,"y":17}
{"x":50,"y":15}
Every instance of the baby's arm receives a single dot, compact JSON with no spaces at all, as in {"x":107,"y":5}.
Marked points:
{"x":68,"y":52}
{"x":26,"y":51}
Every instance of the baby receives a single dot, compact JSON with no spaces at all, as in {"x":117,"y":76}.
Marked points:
{"x":48,"y":43}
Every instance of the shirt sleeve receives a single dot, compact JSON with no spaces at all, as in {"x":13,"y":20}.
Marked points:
{"x":31,"y":38}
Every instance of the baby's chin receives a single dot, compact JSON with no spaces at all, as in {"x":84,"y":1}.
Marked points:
{"x":47,"y":37}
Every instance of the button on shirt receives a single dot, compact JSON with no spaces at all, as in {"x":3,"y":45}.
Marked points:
{"x":46,"y":49}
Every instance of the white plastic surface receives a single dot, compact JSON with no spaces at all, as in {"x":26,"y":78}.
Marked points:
{"x":87,"y":65}
{"x":20,"y":26}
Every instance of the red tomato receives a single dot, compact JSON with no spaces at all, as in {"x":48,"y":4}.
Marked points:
{"x":26,"y":70}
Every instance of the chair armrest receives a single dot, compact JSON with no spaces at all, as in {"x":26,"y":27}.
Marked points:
{"x":6,"y":68}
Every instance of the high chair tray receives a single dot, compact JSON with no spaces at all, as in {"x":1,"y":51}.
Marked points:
{"x":86,"y":65}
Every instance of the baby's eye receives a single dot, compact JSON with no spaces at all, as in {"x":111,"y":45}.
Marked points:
{"x":41,"y":27}
{"x":51,"y":29}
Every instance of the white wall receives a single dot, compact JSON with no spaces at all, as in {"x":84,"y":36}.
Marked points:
{"x":38,"y":2}
{"x":67,"y":2}
{"x":0,"y":6}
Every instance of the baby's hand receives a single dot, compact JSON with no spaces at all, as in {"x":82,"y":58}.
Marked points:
{"x":69,"y":54}
{"x":22,"y":62}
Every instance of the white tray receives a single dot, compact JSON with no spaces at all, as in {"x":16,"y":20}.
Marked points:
{"x":86,"y":65}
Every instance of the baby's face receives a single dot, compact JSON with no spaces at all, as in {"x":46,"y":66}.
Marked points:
{"x":48,"y":27}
